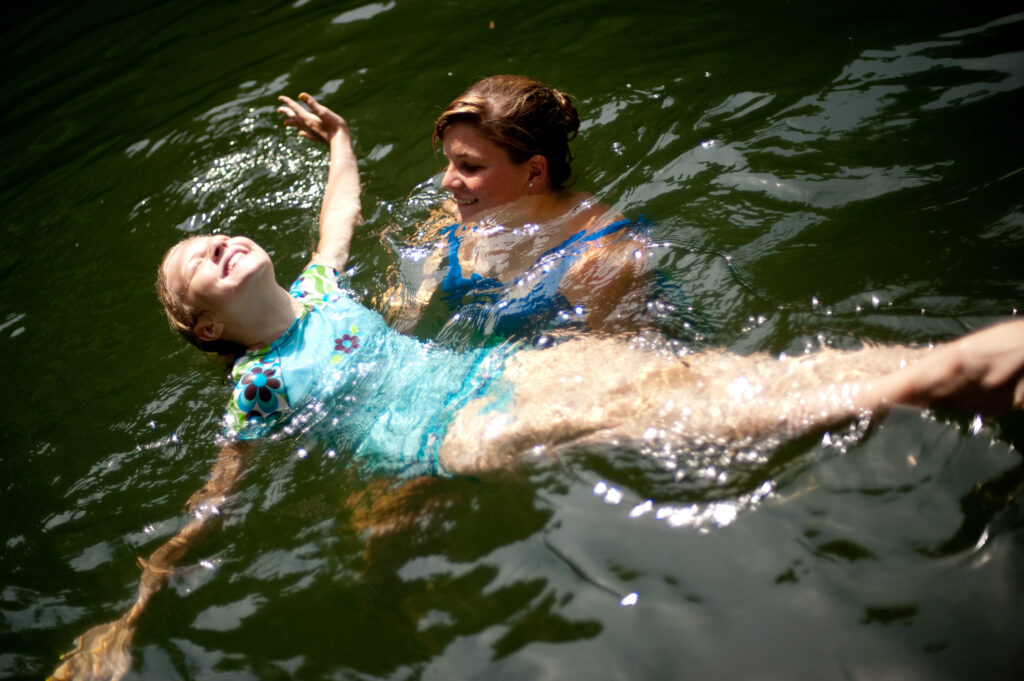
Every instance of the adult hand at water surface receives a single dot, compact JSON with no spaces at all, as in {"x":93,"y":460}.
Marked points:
{"x":317,"y":123}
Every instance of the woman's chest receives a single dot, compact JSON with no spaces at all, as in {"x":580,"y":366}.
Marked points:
{"x":505,"y":256}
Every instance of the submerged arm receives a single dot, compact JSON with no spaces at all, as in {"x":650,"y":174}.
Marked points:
{"x":611,"y":283}
{"x":103,"y":651}
{"x":340,"y":212}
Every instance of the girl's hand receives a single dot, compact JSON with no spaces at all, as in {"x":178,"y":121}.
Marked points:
{"x":317,"y":123}
{"x":100,"y":654}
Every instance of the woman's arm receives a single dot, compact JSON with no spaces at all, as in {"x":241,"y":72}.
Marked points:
{"x":103,"y":651}
{"x":340,"y":212}
{"x":405,"y":301}
{"x":611,"y":283}
{"x":414,"y":284}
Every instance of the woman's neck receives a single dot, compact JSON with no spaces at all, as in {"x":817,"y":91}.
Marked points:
{"x":552,"y":207}
{"x":564,"y":210}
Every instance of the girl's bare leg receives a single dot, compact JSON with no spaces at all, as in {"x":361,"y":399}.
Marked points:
{"x":590,"y":391}
{"x":981,"y":372}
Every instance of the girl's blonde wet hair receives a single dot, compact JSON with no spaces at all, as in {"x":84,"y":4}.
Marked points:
{"x":522,"y":116}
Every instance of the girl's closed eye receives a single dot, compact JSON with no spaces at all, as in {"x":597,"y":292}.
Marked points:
{"x":193,"y":267}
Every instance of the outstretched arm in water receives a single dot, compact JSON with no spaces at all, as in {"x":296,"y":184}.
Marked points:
{"x":103,"y":651}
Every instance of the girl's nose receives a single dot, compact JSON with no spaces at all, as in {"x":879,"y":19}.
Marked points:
{"x":216,"y":249}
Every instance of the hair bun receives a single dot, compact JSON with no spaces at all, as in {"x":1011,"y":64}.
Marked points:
{"x":572,"y":117}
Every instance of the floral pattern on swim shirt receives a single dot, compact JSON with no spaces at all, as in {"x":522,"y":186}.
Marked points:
{"x":346,"y":344}
{"x":259,"y":392}
{"x":272,"y":380}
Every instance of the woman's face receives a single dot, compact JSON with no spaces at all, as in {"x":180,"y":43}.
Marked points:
{"x":480,"y":174}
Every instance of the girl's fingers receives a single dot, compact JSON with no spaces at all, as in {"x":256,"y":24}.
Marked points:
{"x":293,"y":109}
{"x":316,"y":107}
{"x":313,"y":120}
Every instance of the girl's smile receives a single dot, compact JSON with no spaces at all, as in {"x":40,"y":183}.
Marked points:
{"x":228,"y":284}
{"x":232,"y":259}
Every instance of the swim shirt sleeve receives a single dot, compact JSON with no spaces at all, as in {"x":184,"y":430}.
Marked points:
{"x":315,"y":285}
{"x":259,"y":399}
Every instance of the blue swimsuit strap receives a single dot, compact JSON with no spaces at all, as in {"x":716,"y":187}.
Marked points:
{"x":583,"y":237}
{"x":454,"y":281}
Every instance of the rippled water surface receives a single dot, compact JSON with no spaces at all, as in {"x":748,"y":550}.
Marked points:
{"x":813,"y":173}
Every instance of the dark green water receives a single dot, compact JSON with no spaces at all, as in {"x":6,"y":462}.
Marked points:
{"x":816,"y":173}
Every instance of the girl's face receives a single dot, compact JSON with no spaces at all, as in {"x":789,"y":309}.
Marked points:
{"x":212,"y":274}
{"x":480,"y":174}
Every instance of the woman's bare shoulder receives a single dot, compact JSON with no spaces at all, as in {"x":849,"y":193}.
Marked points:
{"x":590,"y":213}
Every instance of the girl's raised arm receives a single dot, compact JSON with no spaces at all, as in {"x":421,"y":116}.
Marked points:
{"x":340,"y":212}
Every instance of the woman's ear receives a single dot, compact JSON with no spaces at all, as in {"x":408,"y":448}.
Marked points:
{"x":538,"y":172}
{"x":208,"y":329}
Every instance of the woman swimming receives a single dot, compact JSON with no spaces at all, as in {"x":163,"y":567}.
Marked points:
{"x":513,"y":218}
{"x":411,"y":408}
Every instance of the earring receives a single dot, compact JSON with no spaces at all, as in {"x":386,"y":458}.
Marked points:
{"x":530,"y":185}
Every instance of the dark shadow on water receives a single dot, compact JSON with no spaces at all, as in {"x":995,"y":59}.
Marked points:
{"x":994,"y":505}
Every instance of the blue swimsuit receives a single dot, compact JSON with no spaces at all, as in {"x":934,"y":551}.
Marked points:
{"x":489,"y":305}
{"x":389,"y":398}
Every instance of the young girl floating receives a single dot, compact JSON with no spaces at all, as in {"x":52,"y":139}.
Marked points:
{"x":401,"y":405}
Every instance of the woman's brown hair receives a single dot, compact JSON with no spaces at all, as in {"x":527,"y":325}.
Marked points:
{"x":522,"y":116}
